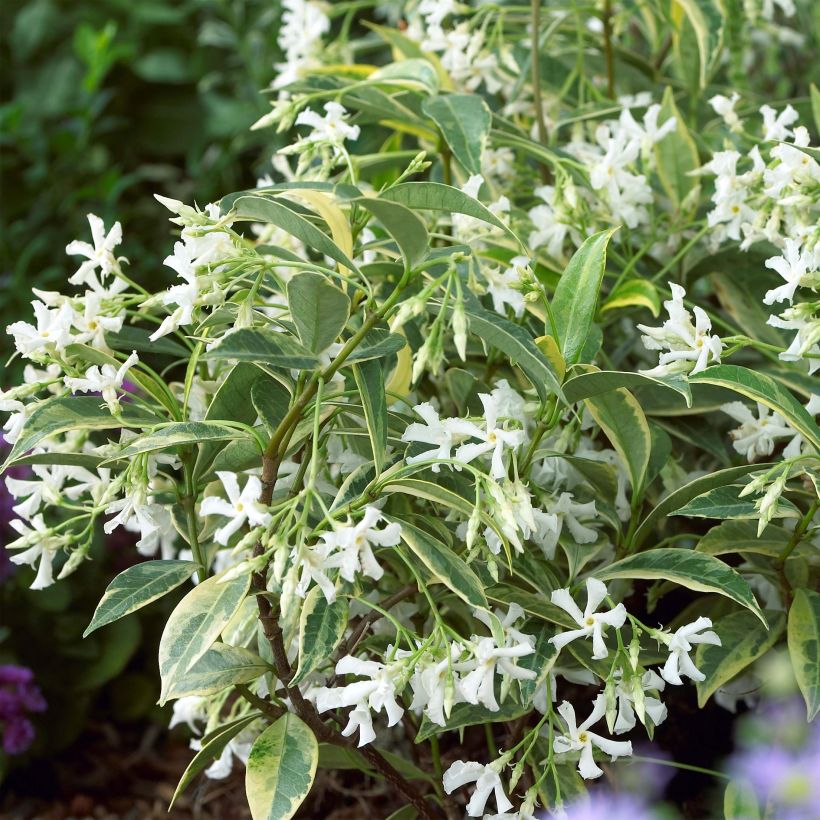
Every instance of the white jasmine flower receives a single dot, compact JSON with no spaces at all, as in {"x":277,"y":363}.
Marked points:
{"x":683,"y":341}
{"x":105,"y":379}
{"x":93,"y":324}
{"x":328,"y":132}
{"x":794,"y":267}
{"x":625,"y":693}
{"x":801,"y":319}
{"x":590,"y":621}
{"x":350,"y":548}
{"x":99,"y":255}
{"x":776,"y":126}
{"x":51,"y":333}
{"x":376,"y":694}
{"x":650,"y":133}
{"x":756,"y":435}
{"x":487,"y":781}
{"x":564,"y":511}
{"x":680,"y":644}
{"x":579,"y":738}
{"x":504,"y":286}
{"x":190,"y":710}
{"x":493,"y":438}
{"x":725,"y":107}
{"x":39,"y":547}
{"x":45,"y":488}
{"x":498,"y":163}
{"x":313,"y":565}
{"x":429,"y":683}
{"x":301,"y":29}
{"x":442,"y":434}
{"x":241,"y":506}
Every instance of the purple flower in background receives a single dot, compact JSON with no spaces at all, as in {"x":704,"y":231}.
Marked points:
{"x":19,"y":695}
{"x":602,"y":804}
{"x":785,"y":776}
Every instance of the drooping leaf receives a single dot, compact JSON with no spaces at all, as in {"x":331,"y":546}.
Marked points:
{"x":194,"y":626}
{"x":318,"y":309}
{"x":271,"y":402}
{"x":464,"y":121}
{"x":725,"y":502}
{"x":369,"y":378}
{"x":263,"y":346}
{"x":221,"y":666}
{"x":576,"y":297}
{"x":321,"y":626}
{"x":741,"y":537}
{"x":435,"y":196}
{"x":138,"y":586}
{"x":634,"y":293}
{"x":415,"y":73}
{"x":743,"y":640}
{"x":620,"y":417}
{"x":676,"y":154}
{"x":179,"y":434}
{"x":404,"y":225}
{"x":444,"y":564}
{"x":378,"y":344}
{"x":518,"y":345}
{"x":64,"y":413}
{"x":760,"y":387}
{"x":280,"y":769}
{"x":804,"y":646}
{"x":688,"y":568}
{"x":602,"y":381}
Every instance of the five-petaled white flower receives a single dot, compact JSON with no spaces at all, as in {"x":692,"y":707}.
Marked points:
{"x":579,"y":738}
{"x":377,"y":694}
{"x":241,"y":506}
{"x":350,"y":548}
{"x":105,"y":379}
{"x":680,"y":644}
{"x":441,"y":434}
{"x":50,"y":334}
{"x":794,"y":267}
{"x":39,"y":548}
{"x":625,"y":692}
{"x":590,"y":621}
{"x":682,"y":341}
{"x":99,"y":255}
{"x":487,"y":781}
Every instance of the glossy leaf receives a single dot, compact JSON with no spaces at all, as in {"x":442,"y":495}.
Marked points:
{"x":378,"y":344}
{"x":194,"y":626}
{"x":634,"y":293}
{"x":464,"y":121}
{"x":676,"y":154}
{"x":804,"y":646}
{"x":688,"y":568}
{"x":179,"y":434}
{"x":280,"y":769}
{"x":404,"y":225}
{"x":466,"y":714}
{"x":321,"y":628}
{"x":369,"y":378}
{"x":576,"y":298}
{"x":596,"y":382}
{"x":725,"y":502}
{"x":743,"y":640}
{"x":445,"y":565}
{"x":271,"y":402}
{"x":263,"y":346}
{"x":221,"y":666}
{"x":318,"y":309}
{"x":138,"y":586}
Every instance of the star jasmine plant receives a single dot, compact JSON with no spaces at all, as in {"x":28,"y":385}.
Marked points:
{"x":401,"y":410}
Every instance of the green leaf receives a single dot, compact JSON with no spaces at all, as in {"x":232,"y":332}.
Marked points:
{"x":280,"y":769}
{"x":688,"y":568}
{"x":435,"y":196}
{"x":464,"y":121}
{"x":740,"y":802}
{"x":318,"y":309}
{"x":634,"y":293}
{"x":178,"y":434}
{"x":741,"y":537}
{"x":405,"y":226}
{"x":64,"y":413}
{"x":445,"y":565}
{"x":378,"y":344}
{"x":705,"y":22}
{"x":130,"y":338}
{"x":804,"y":646}
{"x":576,"y":297}
{"x":678,"y":498}
{"x":212,"y":746}
{"x":725,"y":502}
{"x":275,"y":212}
{"x":541,"y":662}
{"x":596,"y":382}
{"x":221,"y":666}
{"x":194,"y":626}
{"x":762,"y":388}
{"x":263,"y":346}
{"x":518,"y":345}
{"x":137,"y":586}
{"x":676,"y":155}
{"x":743,"y":640}
{"x":369,"y":378}
{"x":815,"y":106}
{"x":465,"y":714}
{"x":321,"y":627}
{"x":271,"y":401}
{"x":619,"y":415}
{"x":416,"y":74}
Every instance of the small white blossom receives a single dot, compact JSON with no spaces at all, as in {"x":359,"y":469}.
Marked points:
{"x":795,"y":267}
{"x":680,"y":644}
{"x":441,"y":434}
{"x":725,"y":107}
{"x":757,"y":435}
{"x":590,"y":621}
{"x":51,"y":333}
{"x":39,"y":546}
{"x":487,"y":782}
{"x":105,"y":379}
{"x":579,"y":738}
{"x":240,"y":507}
{"x":100,"y":255}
